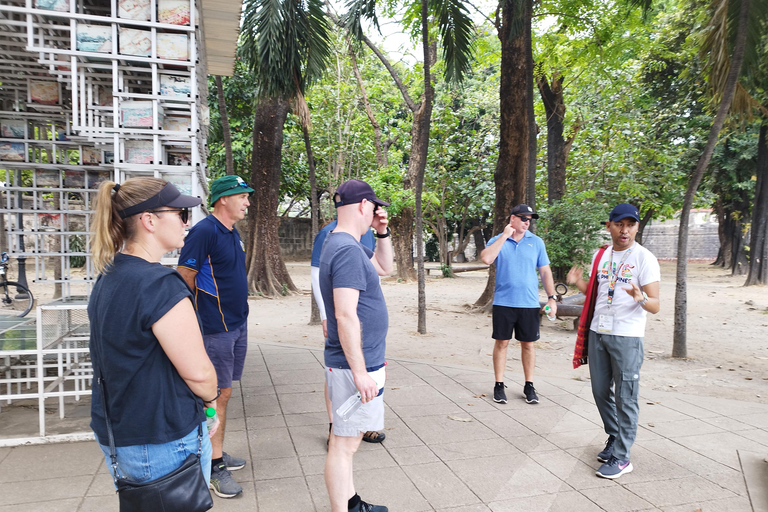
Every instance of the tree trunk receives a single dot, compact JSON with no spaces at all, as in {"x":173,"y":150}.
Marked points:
{"x":643,"y":223}
{"x":402,"y":244}
{"x":314,"y":317}
{"x":554,"y":106}
{"x":723,"y":254}
{"x":679,"y":346}
{"x":418,"y":158}
{"x":758,"y":248}
{"x":225,"y":126}
{"x":511,"y":172}
{"x":267,"y":274}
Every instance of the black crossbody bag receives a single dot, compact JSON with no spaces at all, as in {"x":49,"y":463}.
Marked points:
{"x":182,"y":490}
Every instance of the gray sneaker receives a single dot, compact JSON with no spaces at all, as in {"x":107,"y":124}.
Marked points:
{"x":605,"y":455}
{"x":222,"y":482}
{"x":233,"y":463}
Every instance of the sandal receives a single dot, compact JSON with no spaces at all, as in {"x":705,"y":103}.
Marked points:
{"x":374,"y":437}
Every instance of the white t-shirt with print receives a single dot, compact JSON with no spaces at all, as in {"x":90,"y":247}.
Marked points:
{"x":642,"y":268}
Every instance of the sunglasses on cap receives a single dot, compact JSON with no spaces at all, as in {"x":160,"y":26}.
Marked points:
{"x":523,"y":218}
{"x":240,"y":184}
{"x":183,"y":213}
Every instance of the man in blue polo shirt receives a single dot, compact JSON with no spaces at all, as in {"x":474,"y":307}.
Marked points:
{"x":212,"y":262}
{"x":518,"y":253}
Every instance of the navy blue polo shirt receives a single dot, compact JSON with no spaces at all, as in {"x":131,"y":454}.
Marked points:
{"x":367,"y":240}
{"x":217,"y":254}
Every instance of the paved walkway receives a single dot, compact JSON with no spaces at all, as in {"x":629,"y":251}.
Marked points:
{"x":448,"y":448}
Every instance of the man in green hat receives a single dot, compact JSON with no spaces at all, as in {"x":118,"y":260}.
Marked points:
{"x":212,"y":262}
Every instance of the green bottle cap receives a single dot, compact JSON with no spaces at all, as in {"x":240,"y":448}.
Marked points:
{"x":210,"y":412}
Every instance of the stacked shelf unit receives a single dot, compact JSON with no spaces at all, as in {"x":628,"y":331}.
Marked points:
{"x":92,"y":90}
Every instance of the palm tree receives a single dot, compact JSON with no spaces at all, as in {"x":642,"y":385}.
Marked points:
{"x":286,"y":45}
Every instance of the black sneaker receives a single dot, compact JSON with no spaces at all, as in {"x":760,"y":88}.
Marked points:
{"x":530,"y":394}
{"x":367,"y":507}
{"x":499,"y":396}
{"x":605,"y":455}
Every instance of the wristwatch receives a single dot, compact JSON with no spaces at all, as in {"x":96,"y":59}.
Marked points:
{"x":553,"y":297}
{"x":385,"y":235}
{"x":645,"y":299}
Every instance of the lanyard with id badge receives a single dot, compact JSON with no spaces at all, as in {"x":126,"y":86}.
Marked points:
{"x":605,"y":320}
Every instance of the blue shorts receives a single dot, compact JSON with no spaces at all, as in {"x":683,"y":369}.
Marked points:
{"x":148,"y":462}
{"x":227,"y":353}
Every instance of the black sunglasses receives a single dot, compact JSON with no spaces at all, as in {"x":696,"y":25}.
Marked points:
{"x":523,"y":218}
{"x":183,"y":213}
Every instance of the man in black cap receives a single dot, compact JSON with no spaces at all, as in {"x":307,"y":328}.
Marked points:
{"x":627,"y":290}
{"x":518,"y":253}
{"x":357,"y":331}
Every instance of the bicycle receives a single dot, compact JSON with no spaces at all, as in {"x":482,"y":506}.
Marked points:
{"x":19,"y":304}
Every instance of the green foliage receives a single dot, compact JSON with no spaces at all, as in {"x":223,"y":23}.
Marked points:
{"x":446,"y":270}
{"x":77,"y":244}
{"x":572,"y":230}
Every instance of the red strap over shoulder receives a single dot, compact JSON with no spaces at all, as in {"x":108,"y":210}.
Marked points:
{"x":580,"y":351}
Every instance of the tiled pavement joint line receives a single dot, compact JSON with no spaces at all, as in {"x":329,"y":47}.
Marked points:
{"x":245,"y":422}
{"x":93,"y":480}
{"x":290,"y":435}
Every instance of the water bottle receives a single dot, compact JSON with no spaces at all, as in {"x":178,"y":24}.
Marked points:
{"x":550,"y":316}
{"x":350,"y":407}
{"x":210,"y":417}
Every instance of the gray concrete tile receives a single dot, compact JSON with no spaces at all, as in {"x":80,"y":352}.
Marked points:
{"x":300,"y":403}
{"x":271,"y":443}
{"x":688,"y":458}
{"x":235,"y":424}
{"x":689,"y":427}
{"x":316,"y":387}
{"x":413,"y":411}
{"x":726,"y":505}
{"x":553,"y":418}
{"x":570,"y":469}
{"x":261,"y":405}
{"x":531,"y":443}
{"x":102,"y":485}
{"x":511,"y":477}
{"x":313,"y":464}
{"x":269,"y":469}
{"x":253,"y":379}
{"x":653,"y":412}
{"x":570,"y":501}
{"x":4,"y":453}
{"x":726,"y":423}
{"x":576,"y":438}
{"x":617,"y":498}
{"x":30,"y":491}
{"x":756,"y":477}
{"x":502,"y":424}
{"x":442,"y":429}
{"x":678,"y":491}
{"x":474,"y":449}
{"x":309,"y":418}
{"x":732,"y":480}
{"x":440,"y":486}
{"x":69,"y":505}
{"x":721,"y":447}
{"x":480,"y":507}
{"x":758,"y":435}
{"x":31,"y":462}
{"x":758,"y":420}
{"x":414,"y":395}
{"x":398,"y":433}
{"x":724,"y":406}
{"x":97,"y":504}
{"x":671,"y":401}
{"x":283,"y":494}
{"x":282,"y":377}
{"x":411,"y":455}
{"x":256,"y":423}
{"x":243,"y":503}
{"x":309,"y":439}
{"x":258,"y":390}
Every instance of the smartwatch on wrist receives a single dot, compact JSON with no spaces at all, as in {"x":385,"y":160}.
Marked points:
{"x":553,"y":297}
{"x":385,"y":235}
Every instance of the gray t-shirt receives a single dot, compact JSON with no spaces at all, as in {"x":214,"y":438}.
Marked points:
{"x":345,"y":263}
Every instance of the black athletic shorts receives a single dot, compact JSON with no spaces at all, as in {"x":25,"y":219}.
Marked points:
{"x":523,"y":321}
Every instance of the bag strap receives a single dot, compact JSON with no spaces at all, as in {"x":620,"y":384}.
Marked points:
{"x":110,"y":435}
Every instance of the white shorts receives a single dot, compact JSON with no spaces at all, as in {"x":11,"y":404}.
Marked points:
{"x":370,"y":416}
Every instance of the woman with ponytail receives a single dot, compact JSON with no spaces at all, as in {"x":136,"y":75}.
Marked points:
{"x":151,"y":371}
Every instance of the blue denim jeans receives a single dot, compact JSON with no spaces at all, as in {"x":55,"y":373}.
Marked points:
{"x":147,"y":462}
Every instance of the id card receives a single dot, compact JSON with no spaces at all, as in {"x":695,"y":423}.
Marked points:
{"x":605,"y":323}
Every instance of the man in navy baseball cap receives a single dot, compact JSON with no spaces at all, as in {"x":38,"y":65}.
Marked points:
{"x":354,"y":191}
{"x":624,"y":211}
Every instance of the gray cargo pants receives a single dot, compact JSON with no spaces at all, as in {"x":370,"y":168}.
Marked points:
{"x":614,"y":362}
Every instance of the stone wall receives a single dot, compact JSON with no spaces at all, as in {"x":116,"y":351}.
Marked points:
{"x":295,"y":238}
{"x":703,"y":242}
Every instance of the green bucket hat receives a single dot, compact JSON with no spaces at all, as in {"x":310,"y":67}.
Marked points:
{"x":227,"y":186}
